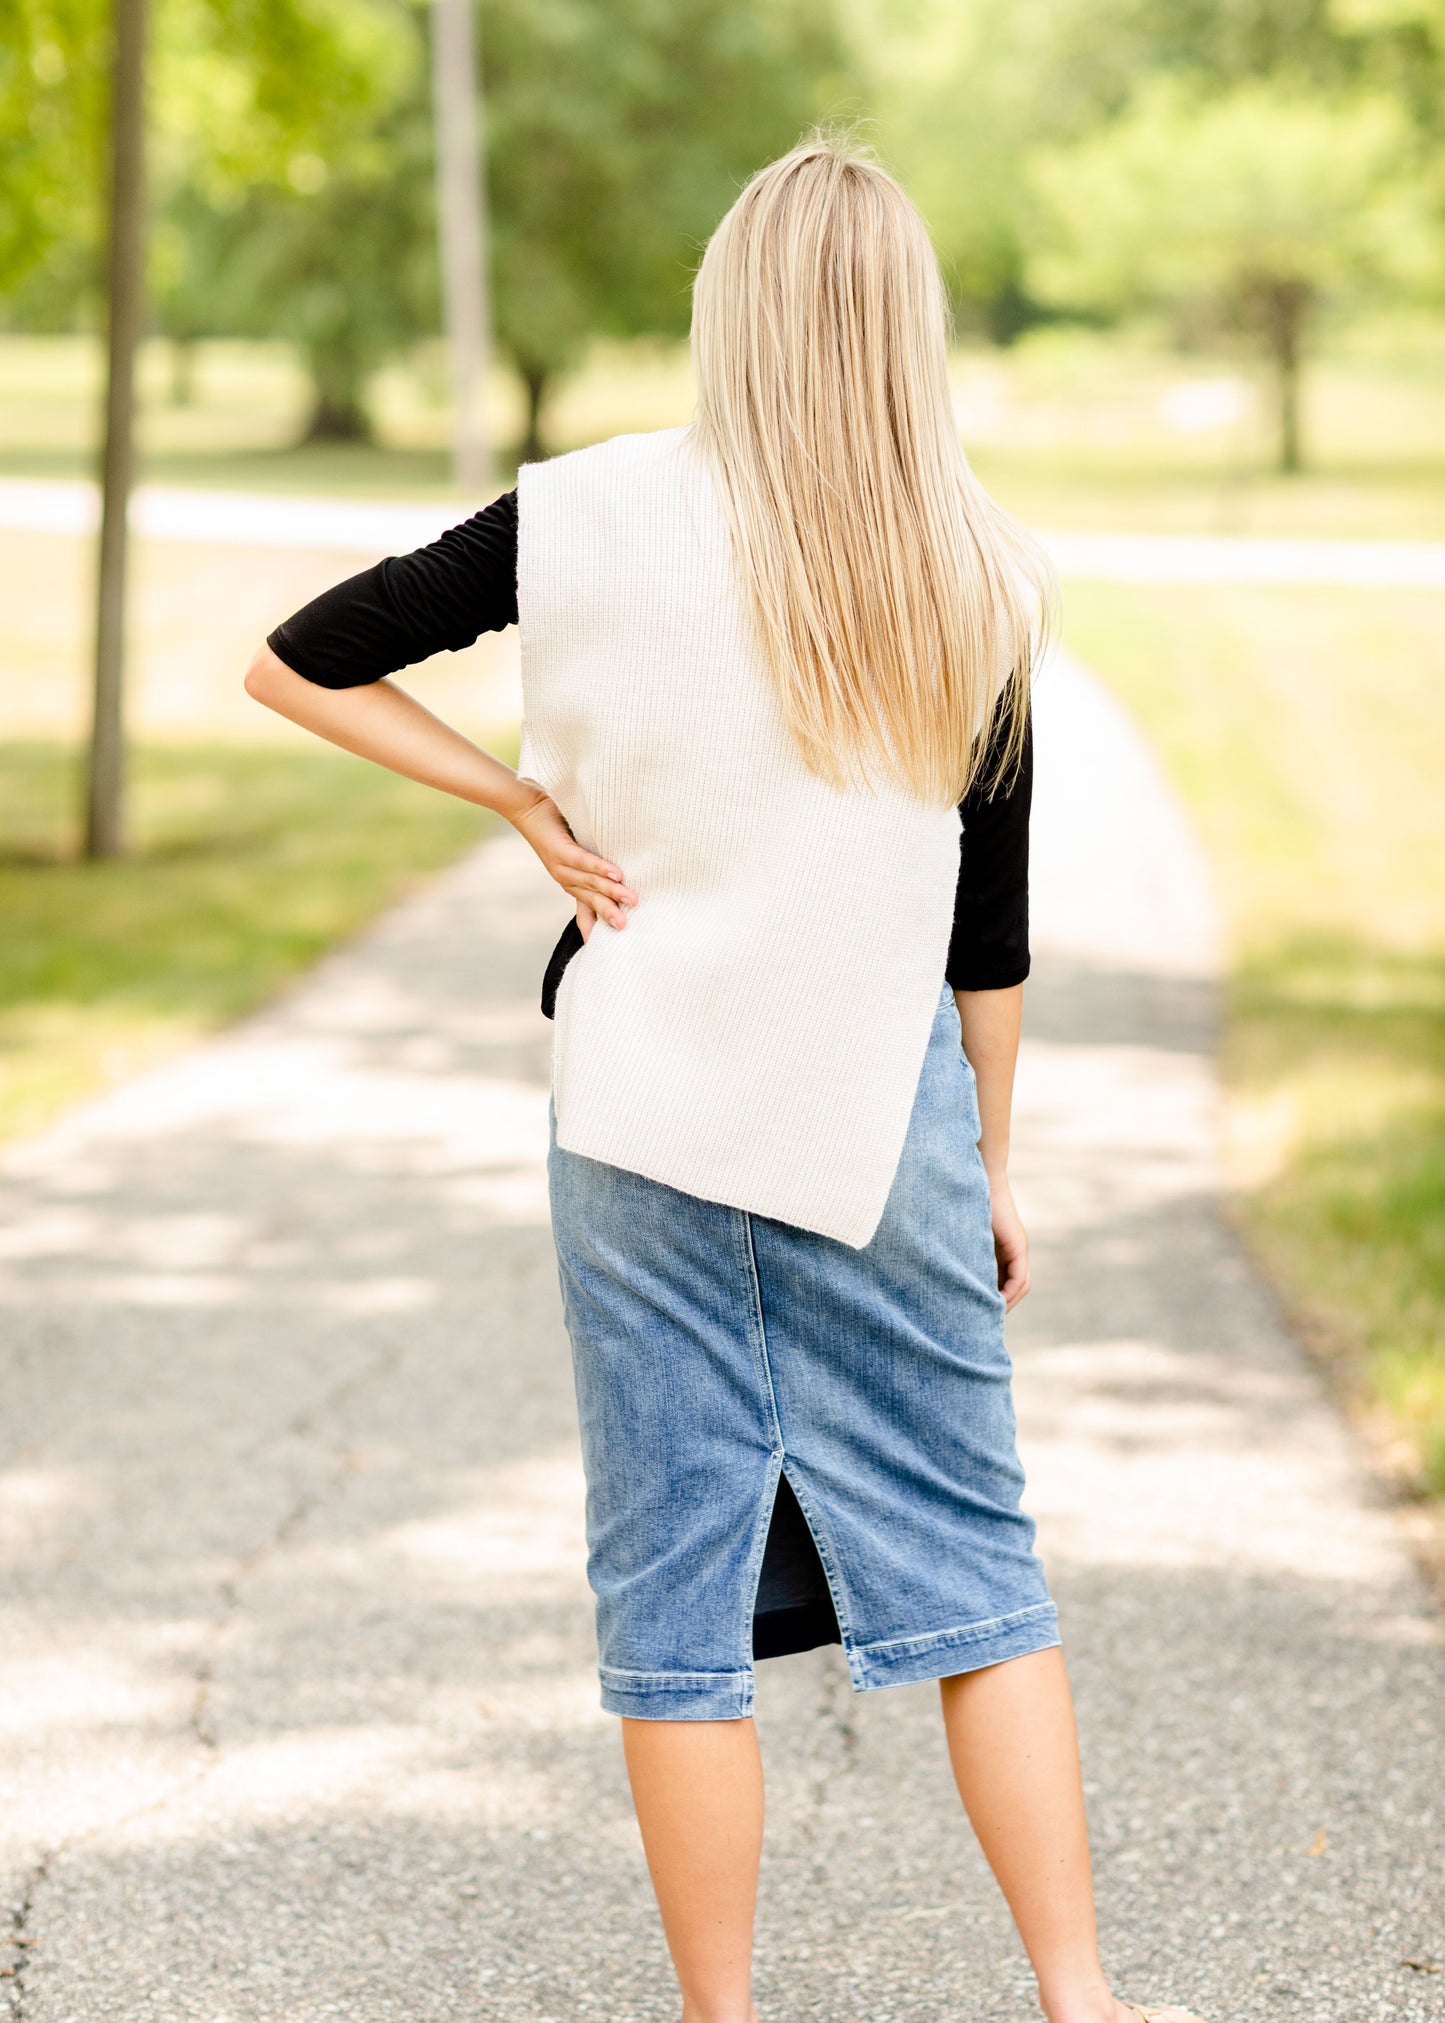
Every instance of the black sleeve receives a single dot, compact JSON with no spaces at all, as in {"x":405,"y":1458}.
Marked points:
{"x":409,"y":606}
{"x":989,"y":947}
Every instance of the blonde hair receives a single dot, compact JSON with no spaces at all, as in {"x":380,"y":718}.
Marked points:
{"x":898,"y":606}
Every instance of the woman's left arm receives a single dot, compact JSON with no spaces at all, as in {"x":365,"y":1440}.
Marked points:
{"x":990,"y":1021}
{"x":988,"y":960}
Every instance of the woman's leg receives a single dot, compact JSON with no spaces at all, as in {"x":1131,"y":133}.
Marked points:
{"x":1015,"y":1755}
{"x":698,"y":1789}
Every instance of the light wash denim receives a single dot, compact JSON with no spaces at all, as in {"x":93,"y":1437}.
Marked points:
{"x":713,"y":1349}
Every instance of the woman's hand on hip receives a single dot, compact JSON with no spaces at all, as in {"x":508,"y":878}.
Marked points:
{"x":1010,"y":1241}
{"x":596,"y":887}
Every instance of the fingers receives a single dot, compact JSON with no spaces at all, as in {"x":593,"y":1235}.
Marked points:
{"x":598,"y":905}
{"x":585,"y":869}
{"x":605,"y":888}
{"x":606,"y":898}
{"x":1013,"y":1283}
{"x":594,"y":883}
{"x":1013,"y":1271}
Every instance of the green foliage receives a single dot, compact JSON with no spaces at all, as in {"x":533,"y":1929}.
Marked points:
{"x":53,"y":96}
{"x":619,"y":132}
{"x":293,"y":180}
{"x":1243,"y":210}
{"x":291,"y":164}
{"x":1183,"y":203}
{"x":242,"y":93}
{"x":966,"y":92}
{"x":291,"y":171}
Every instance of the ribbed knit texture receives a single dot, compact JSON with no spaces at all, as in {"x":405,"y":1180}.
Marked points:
{"x":756,"y":1033}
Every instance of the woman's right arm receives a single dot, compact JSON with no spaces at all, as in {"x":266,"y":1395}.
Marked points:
{"x":345,"y":644}
{"x":381,"y":722}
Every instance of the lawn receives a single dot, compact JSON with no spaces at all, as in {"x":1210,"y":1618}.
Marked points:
{"x":242,"y":422}
{"x":1306,"y":729}
{"x":248,"y":862}
{"x":1071,"y":428}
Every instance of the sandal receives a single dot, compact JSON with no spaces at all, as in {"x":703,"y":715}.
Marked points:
{"x":1163,"y":2015}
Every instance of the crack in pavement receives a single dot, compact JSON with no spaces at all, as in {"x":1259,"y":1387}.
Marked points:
{"x":306,"y":1424}
{"x":303,"y":1425}
{"x":19,"y":1937}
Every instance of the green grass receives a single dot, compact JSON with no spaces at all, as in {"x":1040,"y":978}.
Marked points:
{"x":1071,"y":428}
{"x":1306,"y":729}
{"x":243,"y":425}
{"x":1079,"y":429}
{"x":247,"y":864}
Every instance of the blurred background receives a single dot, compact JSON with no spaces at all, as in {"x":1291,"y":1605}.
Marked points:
{"x":1197,"y":259}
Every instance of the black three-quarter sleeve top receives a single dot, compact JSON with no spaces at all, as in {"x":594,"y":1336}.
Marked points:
{"x":408,"y":607}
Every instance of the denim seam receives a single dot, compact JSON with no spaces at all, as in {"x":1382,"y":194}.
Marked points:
{"x":643,"y":1681}
{"x":744,"y":1223}
{"x":761,"y":1523}
{"x":758,"y":1551}
{"x":965,"y":1633}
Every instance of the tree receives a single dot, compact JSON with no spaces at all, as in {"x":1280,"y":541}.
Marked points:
{"x":293,"y":162}
{"x":341,"y":260}
{"x":966,"y":91}
{"x":125,"y":320}
{"x":457,"y":126}
{"x":1246,"y":211}
{"x":619,"y":132}
{"x":54,"y":123}
{"x":258,"y":107}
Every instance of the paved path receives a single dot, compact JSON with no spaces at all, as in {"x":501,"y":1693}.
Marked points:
{"x":374,"y":526}
{"x":295,"y":1663}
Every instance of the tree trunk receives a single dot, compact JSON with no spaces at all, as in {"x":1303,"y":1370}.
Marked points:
{"x":1286,"y":306}
{"x":183,"y":371}
{"x":340,"y":413}
{"x":336,"y":420}
{"x":461,"y":221}
{"x":125,"y":301}
{"x":536,"y":379}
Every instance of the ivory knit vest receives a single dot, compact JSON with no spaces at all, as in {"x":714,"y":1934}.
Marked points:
{"x":756,"y":1033}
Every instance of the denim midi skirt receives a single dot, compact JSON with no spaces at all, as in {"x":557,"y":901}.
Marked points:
{"x":719,"y":1355}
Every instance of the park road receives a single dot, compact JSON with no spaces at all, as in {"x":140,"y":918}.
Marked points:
{"x":296,"y":1681}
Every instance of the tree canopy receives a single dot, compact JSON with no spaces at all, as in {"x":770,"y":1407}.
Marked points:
{"x":238,"y":92}
{"x":619,"y":132}
{"x":1253,"y":159}
{"x":1248,"y":209}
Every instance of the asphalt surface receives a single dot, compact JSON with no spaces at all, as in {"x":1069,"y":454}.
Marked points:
{"x":296,"y":1694}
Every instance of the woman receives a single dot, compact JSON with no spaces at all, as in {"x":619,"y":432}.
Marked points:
{"x":766,"y":661}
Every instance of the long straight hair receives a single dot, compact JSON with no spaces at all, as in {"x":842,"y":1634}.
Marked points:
{"x":900,"y":609}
